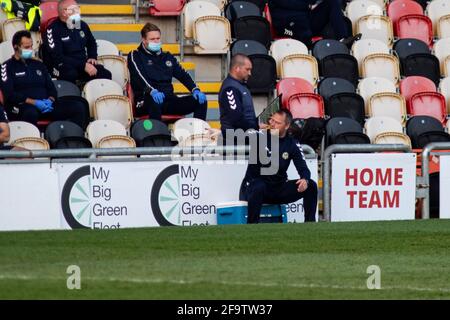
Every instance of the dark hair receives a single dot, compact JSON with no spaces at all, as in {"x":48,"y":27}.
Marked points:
{"x":285,"y":113}
{"x":149,"y":27}
{"x":238,"y":60}
{"x":17,"y":38}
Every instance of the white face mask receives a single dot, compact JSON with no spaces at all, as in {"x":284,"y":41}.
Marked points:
{"x":74,"y":21}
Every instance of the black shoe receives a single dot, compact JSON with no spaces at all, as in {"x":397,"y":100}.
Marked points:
{"x":350,"y":40}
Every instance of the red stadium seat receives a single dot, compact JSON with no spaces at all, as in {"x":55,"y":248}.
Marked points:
{"x":399,"y":8}
{"x":290,"y":86}
{"x":428,"y":104}
{"x":49,"y":14}
{"x":306,"y":105}
{"x":415,"y":26}
{"x":415,"y":84}
{"x":166,"y":7}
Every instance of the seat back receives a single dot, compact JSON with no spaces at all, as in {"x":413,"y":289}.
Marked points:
{"x":346,"y":104}
{"x":166,"y":7}
{"x":331,"y":86}
{"x":106,"y":48}
{"x":327,"y":47}
{"x":66,"y":134}
{"x":290,"y":86}
{"x":381,"y":65}
{"x":422,"y":64}
{"x":425,"y":129}
{"x":376,"y":125}
{"x":97,"y":88}
{"x":364,"y":47}
{"x":285,"y":47}
{"x":399,"y":8}
{"x":302,"y":66}
{"x":392,"y":138}
{"x":359,"y":8}
{"x":186,"y":127}
{"x":116,"y":141}
{"x":415,"y":26}
{"x":98,"y":129}
{"x":337,"y":129}
{"x":447,"y":67}
{"x":443,"y":28}
{"x":367,"y":87}
{"x":264,"y":74}
{"x":194,"y":10}
{"x":388,"y":104}
{"x":212,"y":35}
{"x":66,"y":88}
{"x":429,"y":104}
{"x":248,"y":47}
{"x":117,"y":65}
{"x":415,"y":84}
{"x":376,"y":27}
{"x":114,"y":107}
{"x":49,"y":11}
{"x":437,"y":9}
{"x":343,"y":66}
{"x":252,"y":28}
{"x":11,"y":26}
{"x":306,"y":105}
{"x":442,"y":51}
{"x":151,"y":133}
{"x":31,"y":143}
{"x":238,"y":9}
{"x":444,"y":89}
{"x":22,"y":129}
{"x":409,"y":46}
{"x":6,"y":51}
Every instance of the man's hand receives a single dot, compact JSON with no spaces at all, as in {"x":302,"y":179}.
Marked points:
{"x":92,"y":61}
{"x":302,"y":185}
{"x":90,"y":69}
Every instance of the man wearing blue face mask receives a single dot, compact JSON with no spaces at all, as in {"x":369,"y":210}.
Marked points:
{"x":29,"y":90}
{"x":151,"y":73}
{"x":70,"y":49}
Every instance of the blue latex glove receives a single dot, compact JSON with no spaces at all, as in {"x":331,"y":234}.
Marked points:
{"x":41,"y":105}
{"x":157,"y":96}
{"x":199,"y":96}
{"x":49,"y":105}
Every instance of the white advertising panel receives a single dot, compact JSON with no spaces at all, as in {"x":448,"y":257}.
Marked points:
{"x":368,"y":187}
{"x":29,"y":197}
{"x":444,"y":187}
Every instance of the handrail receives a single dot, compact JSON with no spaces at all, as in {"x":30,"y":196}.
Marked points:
{"x":353,"y":148}
{"x":426,"y":175}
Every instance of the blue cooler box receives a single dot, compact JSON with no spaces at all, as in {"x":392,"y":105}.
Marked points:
{"x":236,"y":213}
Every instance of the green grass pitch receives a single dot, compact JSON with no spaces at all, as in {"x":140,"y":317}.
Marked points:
{"x":270,"y":261}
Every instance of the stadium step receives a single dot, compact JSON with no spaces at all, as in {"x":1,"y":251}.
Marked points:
{"x":106,"y":9}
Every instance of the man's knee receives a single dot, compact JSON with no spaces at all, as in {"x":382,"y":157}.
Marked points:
{"x":103,"y":73}
{"x":29,"y":113}
{"x":256,"y":187}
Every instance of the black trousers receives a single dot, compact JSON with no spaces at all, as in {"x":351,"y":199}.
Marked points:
{"x":73,"y":74}
{"x":309,"y":24}
{"x":62,"y":110}
{"x":173,"y":105}
{"x":257,"y":191}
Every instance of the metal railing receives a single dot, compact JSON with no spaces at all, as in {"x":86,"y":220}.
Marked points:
{"x":352,"y":148}
{"x":426,"y":175}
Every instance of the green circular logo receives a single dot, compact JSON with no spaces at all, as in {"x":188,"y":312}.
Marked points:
{"x":148,"y":125}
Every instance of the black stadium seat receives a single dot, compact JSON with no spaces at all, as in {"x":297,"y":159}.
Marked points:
{"x":422,"y":64}
{"x":264,"y":74}
{"x":66,"y":135}
{"x":424,"y":129}
{"x":260,"y":3}
{"x":252,"y":28}
{"x":248,"y":47}
{"x":328,"y":47}
{"x":407,"y":47}
{"x":350,"y":105}
{"x":331,"y":86}
{"x":66,"y":88}
{"x":340,"y":66}
{"x":344,"y":131}
{"x":239,"y":9}
{"x":151,"y":133}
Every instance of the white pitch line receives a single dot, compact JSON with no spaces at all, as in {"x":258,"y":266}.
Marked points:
{"x":228,"y":283}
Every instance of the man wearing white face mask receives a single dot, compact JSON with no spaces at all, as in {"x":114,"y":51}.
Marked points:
{"x":70,"y":49}
{"x":29,"y":90}
{"x":151,"y":73}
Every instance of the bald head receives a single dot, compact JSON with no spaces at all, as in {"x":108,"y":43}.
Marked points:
{"x":63,"y":6}
{"x":240,"y":67}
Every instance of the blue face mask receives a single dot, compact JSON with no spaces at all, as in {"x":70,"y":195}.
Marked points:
{"x":26,"y":54}
{"x":154,"y":47}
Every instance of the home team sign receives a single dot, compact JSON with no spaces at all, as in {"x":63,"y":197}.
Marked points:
{"x":368,"y":187}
